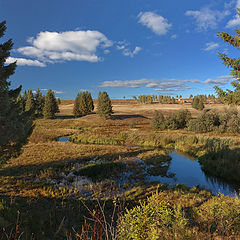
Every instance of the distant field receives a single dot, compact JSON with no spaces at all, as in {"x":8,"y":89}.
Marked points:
{"x":133,"y":107}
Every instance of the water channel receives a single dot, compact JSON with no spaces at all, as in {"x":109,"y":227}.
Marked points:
{"x":184,"y":170}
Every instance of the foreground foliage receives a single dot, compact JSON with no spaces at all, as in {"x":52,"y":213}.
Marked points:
{"x":15,"y":125}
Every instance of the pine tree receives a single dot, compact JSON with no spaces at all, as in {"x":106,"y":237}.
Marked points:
{"x":76,"y":111}
{"x":104,"y":105}
{"x":197,"y":103}
{"x":39,"y":103}
{"x":15,"y":125}
{"x":30,"y":106}
{"x":50,"y":105}
{"x":90,"y":102}
{"x":229,"y":96}
{"x":83,"y":104}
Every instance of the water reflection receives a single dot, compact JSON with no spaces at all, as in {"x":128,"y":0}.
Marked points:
{"x":189,"y":172}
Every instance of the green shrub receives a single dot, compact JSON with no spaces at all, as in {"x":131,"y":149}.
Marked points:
{"x":207,"y":121}
{"x":197,"y":103}
{"x":158,"y":121}
{"x":153,"y":219}
{"x":175,"y":120}
{"x":227,"y":120}
{"x":220,"y":215}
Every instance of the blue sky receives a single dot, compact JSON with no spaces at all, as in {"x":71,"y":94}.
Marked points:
{"x":127,"y":47}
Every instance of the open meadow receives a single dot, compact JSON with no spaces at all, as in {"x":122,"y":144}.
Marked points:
{"x":76,"y":178}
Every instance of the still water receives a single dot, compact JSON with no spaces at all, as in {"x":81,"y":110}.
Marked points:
{"x":189,"y":172}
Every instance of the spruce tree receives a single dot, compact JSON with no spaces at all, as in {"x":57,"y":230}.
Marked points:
{"x":39,"y":103}
{"x":229,"y":96}
{"x":104,"y":105}
{"x":30,"y":106}
{"x":15,"y":125}
{"x":76,"y":111}
{"x":83,"y":104}
{"x":90,"y":102}
{"x":50,"y":105}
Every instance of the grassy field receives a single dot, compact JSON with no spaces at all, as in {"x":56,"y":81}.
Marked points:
{"x":53,"y":188}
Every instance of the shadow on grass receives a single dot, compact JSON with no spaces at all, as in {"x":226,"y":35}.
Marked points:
{"x":127,"y":116}
{"x":60,"y":165}
{"x":65,"y":116}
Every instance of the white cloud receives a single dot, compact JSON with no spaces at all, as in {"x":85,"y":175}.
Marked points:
{"x":211,"y":46}
{"x":106,"y":51}
{"x":55,"y":91}
{"x":235,"y":21}
{"x":25,"y":62}
{"x":158,"y":85}
{"x":155,"y":22}
{"x":221,"y":80}
{"x":207,"y":18}
{"x":174,"y":36}
{"x":66,"y":46}
{"x":166,"y":84}
{"x":127,"y":52}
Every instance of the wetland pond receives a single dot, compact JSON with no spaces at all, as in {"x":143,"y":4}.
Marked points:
{"x":182,"y":169}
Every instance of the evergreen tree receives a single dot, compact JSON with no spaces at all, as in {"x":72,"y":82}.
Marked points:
{"x":90,"y":102}
{"x":83,"y":104}
{"x":76,"y":111}
{"x":39,"y":103}
{"x":15,"y":125}
{"x":30,"y":106}
{"x":58,"y":101}
{"x":50,"y":105}
{"x":229,"y":96}
{"x":197,"y":103}
{"x":104,"y":105}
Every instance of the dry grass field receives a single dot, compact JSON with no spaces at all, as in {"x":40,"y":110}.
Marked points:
{"x":133,"y":107}
{"x":40,"y":198}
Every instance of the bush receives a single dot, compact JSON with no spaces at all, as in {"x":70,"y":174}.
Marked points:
{"x":197,"y":103}
{"x":175,"y":120}
{"x":158,"y":121}
{"x":220,"y":215}
{"x":153,"y":219}
{"x":178,"y":119}
{"x":227,"y":120}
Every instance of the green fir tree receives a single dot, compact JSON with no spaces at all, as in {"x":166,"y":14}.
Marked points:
{"x":50,"y":106}
{"x":104,"y":105}
{"x":231,"y":96}
{"x":15,"y":125}
{"x":39,"y":103}
{"x":30,"y":105}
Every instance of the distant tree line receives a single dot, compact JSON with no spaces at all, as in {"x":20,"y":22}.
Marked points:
{"x":38,"y":104}
{"x":154,"y":98}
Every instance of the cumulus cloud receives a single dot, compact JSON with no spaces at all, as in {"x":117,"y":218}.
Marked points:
{"x":211,"y":46}
{"x":25,"y":62}
{"x":207,"y":18}
{"x":123,"y":46}
{"x":127,"y":52}
{"x":65,"y":46}
{"x":155,"y":22}
{"x":235,"y":21}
